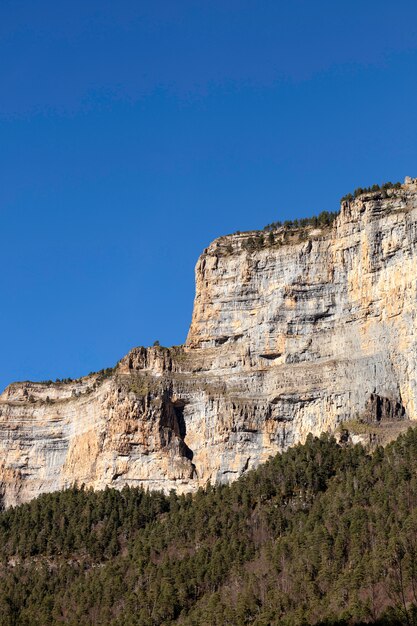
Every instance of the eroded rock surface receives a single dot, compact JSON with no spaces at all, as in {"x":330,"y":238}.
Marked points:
{"x":288,"y":337}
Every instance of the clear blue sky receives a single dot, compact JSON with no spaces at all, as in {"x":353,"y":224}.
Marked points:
{"x":133,"y":133}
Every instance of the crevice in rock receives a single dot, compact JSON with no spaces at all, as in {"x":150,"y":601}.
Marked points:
{"x":245,"y":467}
{"x":172,"y":424}
{"x":220,"y":340}
{"x":178,"y":406}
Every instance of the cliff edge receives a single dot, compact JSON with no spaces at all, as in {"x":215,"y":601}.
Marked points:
{"x":294,"y":332}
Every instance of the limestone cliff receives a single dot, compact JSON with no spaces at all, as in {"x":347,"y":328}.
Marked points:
{"x":290,"y":334}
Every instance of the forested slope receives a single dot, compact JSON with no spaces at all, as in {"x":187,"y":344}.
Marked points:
{"x":319,"y":534}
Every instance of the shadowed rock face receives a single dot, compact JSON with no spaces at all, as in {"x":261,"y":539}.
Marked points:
{"x":287,"y":338}
{"x":379,"y":409}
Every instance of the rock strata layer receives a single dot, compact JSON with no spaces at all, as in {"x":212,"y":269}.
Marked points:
{"x":291,"y":334}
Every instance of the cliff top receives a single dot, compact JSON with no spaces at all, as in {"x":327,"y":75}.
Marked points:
{"x":364,"y":203}
{"x":296,"y":231}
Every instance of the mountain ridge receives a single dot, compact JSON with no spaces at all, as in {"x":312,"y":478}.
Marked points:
{"x":287,"y":337}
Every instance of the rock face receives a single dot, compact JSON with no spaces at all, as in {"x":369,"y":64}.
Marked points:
{"x":290,"y":334}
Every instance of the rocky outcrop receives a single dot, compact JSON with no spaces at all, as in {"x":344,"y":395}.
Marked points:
{"x":291,"y":333}
{"x":379,"y":409}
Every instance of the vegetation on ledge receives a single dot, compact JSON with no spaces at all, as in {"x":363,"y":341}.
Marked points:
{"x":326,"y":218}
{"x":361,"y":190}
{"x":320,"y":534}
{"x":298,"y":230}
{"x":101,"y":375}
{"x":322,"y":220}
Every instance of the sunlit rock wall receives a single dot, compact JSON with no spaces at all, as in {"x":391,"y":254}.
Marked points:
{"x":290,"y":334}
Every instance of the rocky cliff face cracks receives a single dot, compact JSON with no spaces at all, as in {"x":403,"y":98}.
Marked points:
{"x":290,"y":335}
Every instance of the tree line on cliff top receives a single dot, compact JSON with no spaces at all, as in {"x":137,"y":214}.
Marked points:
{"x":326,"y":218}
{"x":321,"y":534}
